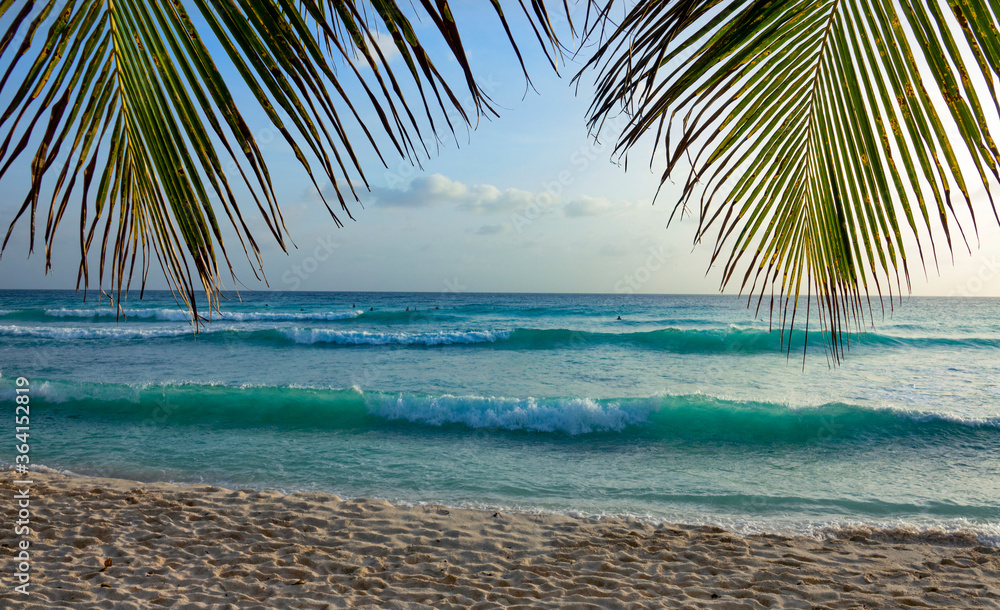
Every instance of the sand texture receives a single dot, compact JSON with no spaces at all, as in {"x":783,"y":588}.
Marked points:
{"x":206,"y":547}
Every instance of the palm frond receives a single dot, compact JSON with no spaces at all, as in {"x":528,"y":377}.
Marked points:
{"x":815,"y":139}
{"x":133,"y":123}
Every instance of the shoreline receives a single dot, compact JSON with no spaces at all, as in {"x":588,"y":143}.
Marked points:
{"x":889,"y":530}
{"x":205,"y":546}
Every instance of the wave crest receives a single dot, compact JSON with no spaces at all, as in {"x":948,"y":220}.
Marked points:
{"x":166,"y":314}
{"x":355,"y":337}
{"x":659,"y":417}
{"x":570,"y":415}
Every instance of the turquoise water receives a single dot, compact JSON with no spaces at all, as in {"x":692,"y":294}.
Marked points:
{"x":685,"y":410}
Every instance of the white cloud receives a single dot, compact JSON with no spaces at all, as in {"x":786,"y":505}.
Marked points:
{"x":487,"y":199}
{"x":586,"y":205}
{"x":384,"y":43}
{"x":423,"y":191}
{"x":436,"y":189}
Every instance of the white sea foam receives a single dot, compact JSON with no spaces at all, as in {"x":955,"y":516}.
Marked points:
{"x":962,"y":533}
{"x":65,"y":333}
{"x":159,"y":313}
{"x":250,"y":316}
{"x":63,"y":391}
{"x":345,"y":337}
{"x":181,"y":315}
{"x":922,"y":417}
{"x":569,"y":415}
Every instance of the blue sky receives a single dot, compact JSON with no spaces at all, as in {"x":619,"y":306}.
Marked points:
{"x":527,"y":202}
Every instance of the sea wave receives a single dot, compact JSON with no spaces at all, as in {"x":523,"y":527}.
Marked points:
{"x":158,"y":313}
{"x":254,"y":316}
{"x":179,"y":315}
{"x":732,"y":340}
{"x":341,"y":337}
{"x":71,"y":333}
{"x":906,"y":533}
{"x":166,"y":314}
{"x":567,"y":415}
{"x":665,"y":416}
{"x":422,"y":315}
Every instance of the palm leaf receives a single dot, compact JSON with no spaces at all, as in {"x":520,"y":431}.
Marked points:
{"x":132,"y":121}
{"x":813,"y":137}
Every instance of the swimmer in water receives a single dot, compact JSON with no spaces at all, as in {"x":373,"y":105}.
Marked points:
{"x":619,"y":317}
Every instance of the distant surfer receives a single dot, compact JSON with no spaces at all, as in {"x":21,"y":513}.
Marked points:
{"x":619,"y":317}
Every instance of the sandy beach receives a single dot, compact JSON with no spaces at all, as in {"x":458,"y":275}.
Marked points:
{"x":207,"y":547}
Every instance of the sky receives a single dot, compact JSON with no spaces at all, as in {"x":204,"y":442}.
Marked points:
{"x":526,"y":202}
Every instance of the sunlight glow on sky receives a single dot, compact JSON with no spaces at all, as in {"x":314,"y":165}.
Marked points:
{"x":527,"y":202}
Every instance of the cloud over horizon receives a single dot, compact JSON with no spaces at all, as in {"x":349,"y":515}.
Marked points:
{"x":487,"y":199}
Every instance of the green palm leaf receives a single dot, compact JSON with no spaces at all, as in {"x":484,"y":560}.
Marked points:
{"x":137,"y":122}
{"x":813,"y":137}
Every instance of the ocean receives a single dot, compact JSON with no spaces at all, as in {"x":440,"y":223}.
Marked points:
{"x":686,"y":409}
